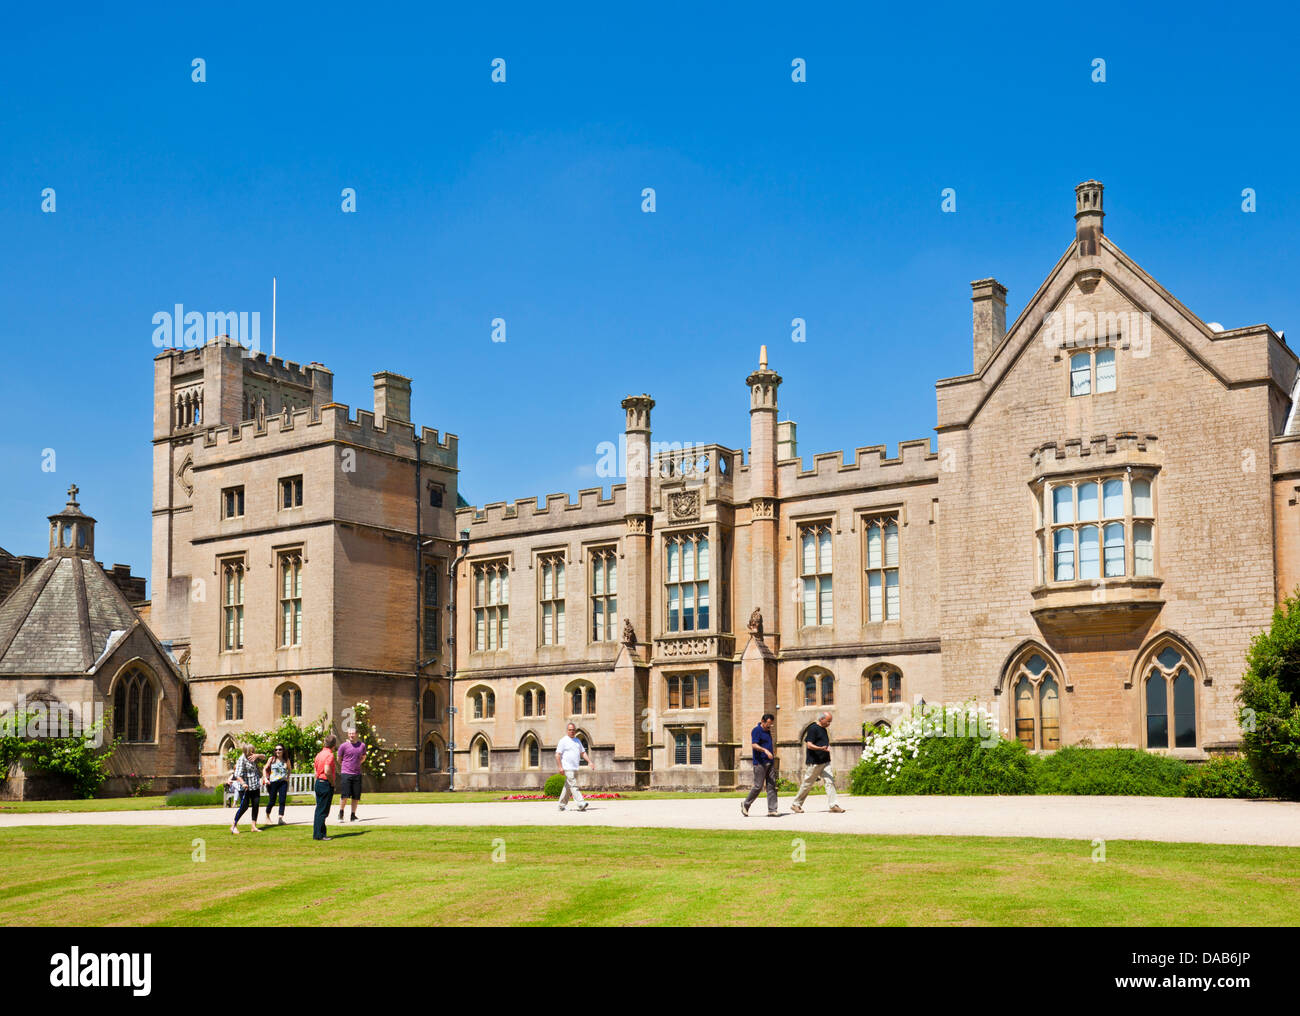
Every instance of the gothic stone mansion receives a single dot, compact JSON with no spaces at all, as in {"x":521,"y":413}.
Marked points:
{"x":1110,"y":515}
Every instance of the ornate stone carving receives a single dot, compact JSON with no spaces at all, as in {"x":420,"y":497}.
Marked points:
{"x":629,"y":633}
{"x":676,"y":647}
{"x":683,"y":506}
{"x":636,"y":525}
{"x":762,"y":508}
{"x":756,"y":622}
{"x":688,"y":647}
{"x":183,"y":475}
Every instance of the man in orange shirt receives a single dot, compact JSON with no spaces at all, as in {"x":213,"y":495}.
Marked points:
{"x":325,"y":776}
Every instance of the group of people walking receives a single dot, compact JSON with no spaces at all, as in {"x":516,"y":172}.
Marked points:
{"x":342,"y":767}
{"x":817,"y":766}
{"x":570,"y":754}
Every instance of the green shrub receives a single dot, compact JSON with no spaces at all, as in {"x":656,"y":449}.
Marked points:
{"x":1226,"y":776}
{"x":193,"y":797}
{"x":1270,"y":704}
{"x":937,"y":751}
{"x":1110,"y":771}
{"x":302,"y":743}
{"x":77,"y":759}
{"x":554,"y":784}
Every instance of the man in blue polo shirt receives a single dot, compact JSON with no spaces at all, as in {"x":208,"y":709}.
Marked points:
{"x":764,"y":766}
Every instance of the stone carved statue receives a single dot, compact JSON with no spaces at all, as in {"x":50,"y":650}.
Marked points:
{"x":629,"y":633}
{"x":756,"y":622}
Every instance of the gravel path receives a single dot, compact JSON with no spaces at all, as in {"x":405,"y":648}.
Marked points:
{"x":1171,"y":819}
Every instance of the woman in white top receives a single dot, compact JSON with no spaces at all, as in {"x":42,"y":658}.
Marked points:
{"x":277,"y":780}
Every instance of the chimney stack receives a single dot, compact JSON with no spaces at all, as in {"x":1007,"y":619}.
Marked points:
{"x":787,"y":445}
{"x":1088,"y":216}
{"x":392,"y":398}
{"x":989,"y":314}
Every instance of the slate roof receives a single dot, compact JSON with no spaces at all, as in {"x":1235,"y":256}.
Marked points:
{"x":59,"y":620}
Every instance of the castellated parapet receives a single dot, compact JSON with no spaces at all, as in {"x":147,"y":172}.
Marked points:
{"x":1123,"y":448}
{"x":333,"y":423}
{"x":557,"y":511}
{"x":870,"y":469}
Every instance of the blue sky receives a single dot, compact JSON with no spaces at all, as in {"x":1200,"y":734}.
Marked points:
{"x":522,"y":200}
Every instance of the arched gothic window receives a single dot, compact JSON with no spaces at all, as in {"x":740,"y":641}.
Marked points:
{"x":1036,"y":701}
{"x":1169,"y":698}
{"x":134,"y":708}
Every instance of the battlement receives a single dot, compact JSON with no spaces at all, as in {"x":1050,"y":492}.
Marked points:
{"x":277,"y":369}
{"x":1076,"y":453}
{"x":871,"y":467}
{"x":525,"y":513}
{"x":260,"y":364}
{"x":335,"y":423}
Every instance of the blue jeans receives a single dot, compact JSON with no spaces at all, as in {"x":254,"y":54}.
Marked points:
{"x":324,"y":798}
{"x":247,"y":798}
{"x":274,"y":789}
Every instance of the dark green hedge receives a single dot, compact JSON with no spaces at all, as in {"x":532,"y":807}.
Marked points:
{"x":961,"y":766}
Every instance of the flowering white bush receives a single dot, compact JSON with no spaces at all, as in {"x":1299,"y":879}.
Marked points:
{"x":890,"y":749}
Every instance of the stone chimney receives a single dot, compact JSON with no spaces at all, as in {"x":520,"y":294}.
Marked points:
{"x":989,"y":314}
{"x":1088,"y":216}
{"x":787,"y":447}
{"x":392,"y":398}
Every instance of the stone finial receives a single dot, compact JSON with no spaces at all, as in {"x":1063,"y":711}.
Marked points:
{"x":1088,"y":215}
{"x":637,"y":408}
{"x":72,"y":495}
{"x":762,"y":357}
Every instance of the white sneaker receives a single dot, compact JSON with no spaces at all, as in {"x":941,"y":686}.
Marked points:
{"x":582,"y":806}
{"x":561,"y":807}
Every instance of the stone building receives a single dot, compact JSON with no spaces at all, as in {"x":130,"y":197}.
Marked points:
{"x":74,"y":650}
{"x":1108,"y":517}
{"x":300,"y":553}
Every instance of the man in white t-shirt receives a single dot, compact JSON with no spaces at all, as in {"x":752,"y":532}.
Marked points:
{"x":569,"y":754}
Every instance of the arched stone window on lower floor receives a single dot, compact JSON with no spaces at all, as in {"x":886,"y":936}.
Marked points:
{"x":480,"y":757}
{"x":429,"y":706}
{"x":135,"y":707}
{"x":230,"y":705}
{"x":433,"y":754}
{"x":815,"y":688}
{"x":882,"y":684}
{"x":481,"y":703}
{"x":1169,"y":698}
{"x":288,"y":700}
{"x":532,"y":700}
{"x":582,"y":698}
{"x":1035,"y":685}
{"x":530,"y":752}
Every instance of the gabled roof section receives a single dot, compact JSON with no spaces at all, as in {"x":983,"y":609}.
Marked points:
{"x":961,"y":398}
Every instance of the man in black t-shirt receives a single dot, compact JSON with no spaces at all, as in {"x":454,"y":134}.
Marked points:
{"x":817,"y":759}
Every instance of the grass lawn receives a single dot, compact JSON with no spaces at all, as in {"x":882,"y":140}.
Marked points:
{"x":460,"y":797}
{"x":127,"y":875}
